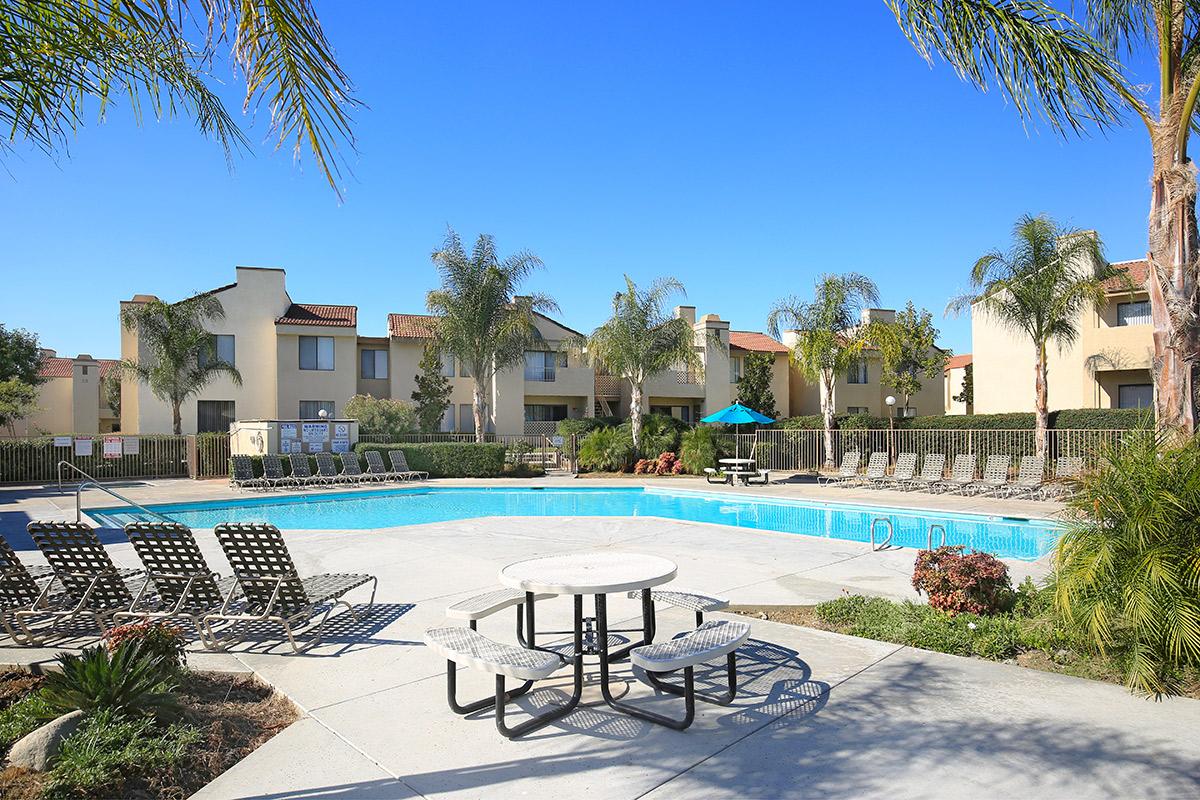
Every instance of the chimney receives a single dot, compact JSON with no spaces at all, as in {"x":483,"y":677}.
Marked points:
{"x":46,"y":352}
{"x":884,"y":315}
{"x":687,"y":313}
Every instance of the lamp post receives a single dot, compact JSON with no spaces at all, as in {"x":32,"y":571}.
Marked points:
{"x":891,"y":404}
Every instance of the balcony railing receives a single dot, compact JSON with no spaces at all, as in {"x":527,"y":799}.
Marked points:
{"x":608,"y":386}
{"x":544,"y":374}
{"x":686,"y":377}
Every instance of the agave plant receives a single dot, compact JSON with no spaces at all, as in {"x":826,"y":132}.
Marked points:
{"x":1128,"y":567}
{"x":127,"y":680}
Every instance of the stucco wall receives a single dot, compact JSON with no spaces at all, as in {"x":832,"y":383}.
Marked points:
{"x":295,"y":384}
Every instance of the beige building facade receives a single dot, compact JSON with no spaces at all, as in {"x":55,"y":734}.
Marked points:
{"x":71,"y":397}
{"x":957,"y":368}
{"x":1107,"y":366}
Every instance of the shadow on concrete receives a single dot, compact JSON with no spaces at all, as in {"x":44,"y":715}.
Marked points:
{"x":341,"y":629}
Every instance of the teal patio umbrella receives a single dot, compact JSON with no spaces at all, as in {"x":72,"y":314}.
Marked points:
{"x":738,"y":414}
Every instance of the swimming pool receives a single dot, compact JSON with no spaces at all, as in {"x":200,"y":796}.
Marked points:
{"x":1006,"y":537}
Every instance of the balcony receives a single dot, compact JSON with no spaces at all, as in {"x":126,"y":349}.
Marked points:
{"x":570,"y":381}
{"x":540,"y":374}
{"x":608,"y":386}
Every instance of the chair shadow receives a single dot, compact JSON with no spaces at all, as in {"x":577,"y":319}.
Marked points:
{"x":341,"y":629}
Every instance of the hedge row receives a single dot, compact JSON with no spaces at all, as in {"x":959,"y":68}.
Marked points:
{"x":447,"y":459}
{"x":1068,"y":419}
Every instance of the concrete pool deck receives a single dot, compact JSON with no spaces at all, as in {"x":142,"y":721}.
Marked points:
{"x":818,"y":714}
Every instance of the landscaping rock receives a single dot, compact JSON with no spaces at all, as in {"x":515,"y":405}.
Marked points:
{"x":35,"y":750}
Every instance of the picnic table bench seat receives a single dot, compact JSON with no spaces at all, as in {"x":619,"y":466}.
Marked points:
{"x":686,"y":599}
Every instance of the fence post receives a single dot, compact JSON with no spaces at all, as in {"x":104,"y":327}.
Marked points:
{"x":193,"y":458}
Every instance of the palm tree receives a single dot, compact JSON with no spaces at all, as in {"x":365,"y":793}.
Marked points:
{"x":1071,"y":74}
{"x":831,"y":336}
{"x":183,"y":354}
{"x":1041,"y":287}
{"x":640,"y":339}
{"x":481,"y":320}
{"x":62,"y":56}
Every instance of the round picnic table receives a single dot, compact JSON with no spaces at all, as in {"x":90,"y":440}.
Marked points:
{"x":737,"y":472}
{"x":598,"y":574}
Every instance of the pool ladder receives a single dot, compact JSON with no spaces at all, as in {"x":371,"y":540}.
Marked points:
{"x":887,"y":539}
{"x":929,"y":538}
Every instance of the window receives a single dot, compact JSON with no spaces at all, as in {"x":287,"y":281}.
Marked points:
{"x":447,"y":365}
{"x":857,"y":373}
{"x":857,"y":410}
{"x":374,"y":364}
{"x":222,"y":351}
{"x":447,"y":425}
{"x":466,"y":418}
{"x":683,"y":413}
{"x":316,"y":352}
{"x":1133,"y":314}
{"x":545,"y":413}
{"x":311,"y":409}
{"x":735,"y":370}
{"x":540,"y":365}
{"x":463,"y":372}
{"x":214,"y":416}
{"x":1135,"y":395}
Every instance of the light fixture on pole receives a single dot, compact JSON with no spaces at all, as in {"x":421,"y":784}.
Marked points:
{"x":891,"y":404}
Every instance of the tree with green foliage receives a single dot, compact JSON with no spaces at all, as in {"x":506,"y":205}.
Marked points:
{"x":640,"y":339}
{"x":754,"y":387}
{"x":110,"y":393}
{"x":182,"y":353}
{"x":381,"y":415}
{"x":910,"y":352}
{"x":63,"y":58}
{"x":830,"y":334}
{"x":18,"y":400}
{"x":432,"y":392}
{"x":1126,"y":570}
{"x":20,"y":356}
{"x":481,"y":320}
{"x":967,"y":395}
{"x":1040,"y":287}
{"x":1078,"y":73}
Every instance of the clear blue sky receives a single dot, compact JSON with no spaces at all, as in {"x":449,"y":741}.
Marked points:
{"x":743,"y":148}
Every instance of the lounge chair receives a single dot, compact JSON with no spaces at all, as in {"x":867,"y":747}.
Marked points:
{"x":272,"y":589}
{"x":1066,"y":469}
{"x":302,"y":472}
{"x":876,"y":472}
{"x":962,"y":474}
{"x":933,"y":470}
{"x":848,"y":471}
{"x":23,"y":588}
{"x":906,"y":468}
{"x":183,"y":585}
{"x":400,"y":466}
{"x":92,"y":584}
{"x":241,"y":474}
{"x":1031,"y":477}
{"x":273,"y":475}
{"x":352,"y":470}
{"x":327,"y":472}
{"x":377,"y":468}
{"x":995,"y":476}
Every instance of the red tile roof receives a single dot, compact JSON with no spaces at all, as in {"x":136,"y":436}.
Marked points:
{"x":411,"y":326}
{"x":310,"y":314}
{"x":958,"y":362}
{"x":1137,"y":270}
{"x":56,"y":367}
{"x":755,"y":342}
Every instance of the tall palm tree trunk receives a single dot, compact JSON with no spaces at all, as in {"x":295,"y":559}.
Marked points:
{"x":1171,"y":279}
{"x":1040,"y":404}
{"x":176,"y":417}
{"x":478,"y":399}
{"x":635,"y":412}
{"x":827,"y":415}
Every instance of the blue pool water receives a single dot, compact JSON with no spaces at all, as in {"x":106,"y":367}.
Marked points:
{"x":1006,"y":537}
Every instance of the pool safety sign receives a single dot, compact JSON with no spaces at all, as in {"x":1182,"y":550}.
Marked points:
{"x":112,"y":446}
{"x":131,"y":445}
{"x":315,"y":432}
{"x":287,"y":430}
{"x":83,"y":446}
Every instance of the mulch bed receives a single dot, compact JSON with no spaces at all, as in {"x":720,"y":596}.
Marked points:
{"x":238,"y":713}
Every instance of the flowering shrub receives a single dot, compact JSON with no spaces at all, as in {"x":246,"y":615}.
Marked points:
{"x":156,"y":638}
{"x":678,"y":468}
{"x":665,"y":464}
{"x":973,"y":583}
{"x":644,"y":466}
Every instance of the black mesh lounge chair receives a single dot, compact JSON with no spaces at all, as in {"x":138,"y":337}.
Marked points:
{"x":272,"y":590}
{"x":400,"y":466}
{"x":933,"y":470}
{"x":241,"y":474}
{"x":378,"y":469}
{"x":183,"y":585}
{"x":352,"y":470}
{"x":273,"y":475}
{"x":848,"y":471}
{"x":93,"y":585}
{"x":327,"y":471}
{"x":23,"y":588}
{"x":301,"y":473}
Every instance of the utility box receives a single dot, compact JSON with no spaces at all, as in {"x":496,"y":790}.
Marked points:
{"x":256,"y":437}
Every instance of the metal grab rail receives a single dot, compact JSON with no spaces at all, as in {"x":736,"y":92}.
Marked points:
{"x":929,"y":540}
{"x":92,"y":482}
{"x":891,"y":532}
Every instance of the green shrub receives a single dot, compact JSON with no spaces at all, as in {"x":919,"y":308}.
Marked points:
{"x":974,"y":583}
{"x":606,"y":450}
{"x":1097,"y":418}
{"x":126,"y":680}
{"x":22,"y":717}
{"x":447,"y":459}
{"x":699,"y":448}
{"x":107,"y":749}
{"x":660,"y":434}
{"x":381,"y":415}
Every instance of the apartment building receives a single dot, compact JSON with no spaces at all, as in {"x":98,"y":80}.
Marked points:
{"x":71,"y":397}
{"x":956,"y":374}
{"x":861,"y":390}
{"x":1108,"y":365}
